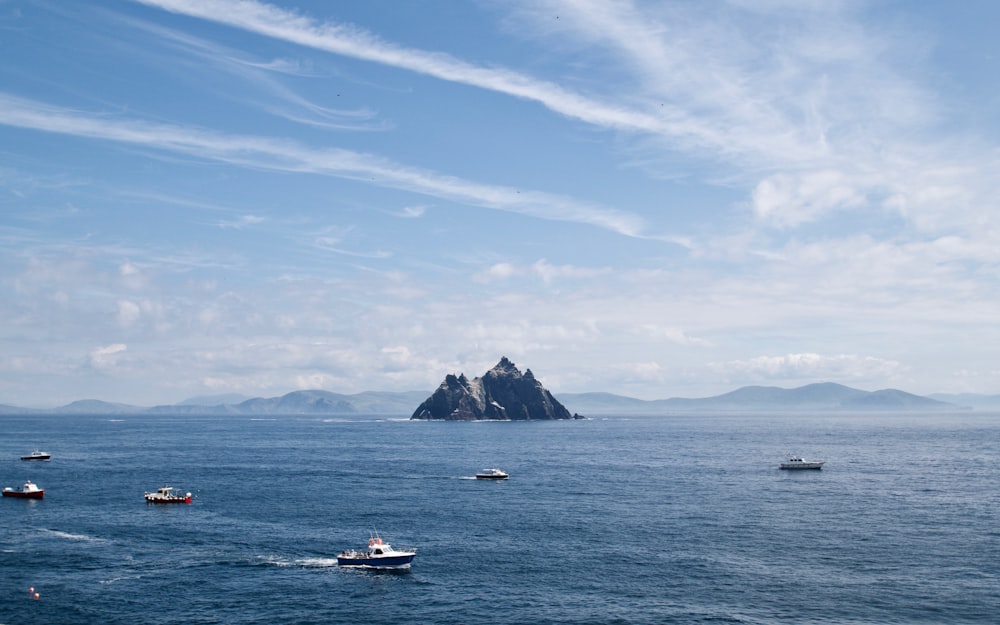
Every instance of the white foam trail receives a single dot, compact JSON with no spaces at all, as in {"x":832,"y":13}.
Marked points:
{"x":69,"y":536}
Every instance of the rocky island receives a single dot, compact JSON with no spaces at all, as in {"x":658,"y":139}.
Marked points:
{"x":502,"y":394}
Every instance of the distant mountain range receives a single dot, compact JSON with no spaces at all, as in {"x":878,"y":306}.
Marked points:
{"x":824,"y":396}
{"x":972,"y":400}
{"x":297,"y":402}
{"x":813,"y":397}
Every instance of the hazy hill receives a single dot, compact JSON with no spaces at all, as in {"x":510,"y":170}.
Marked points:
{"x":96,"y":406}
{"x":812,"y":397}
{"x":325,"y":402}
{"x":972,"y":400}
{"x":215,"y":400}
{"x":825,"y":396}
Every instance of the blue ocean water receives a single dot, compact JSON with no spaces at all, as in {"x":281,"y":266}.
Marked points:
{"x":673,"y":519}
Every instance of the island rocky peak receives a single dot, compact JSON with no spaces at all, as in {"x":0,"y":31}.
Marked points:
{"x":502,"y":394}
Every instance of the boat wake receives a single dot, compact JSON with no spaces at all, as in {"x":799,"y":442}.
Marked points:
{"x":316,"y":563}
{"x":121,"y":578}
{"x":69,"y":536}
{"x":303,"y":563}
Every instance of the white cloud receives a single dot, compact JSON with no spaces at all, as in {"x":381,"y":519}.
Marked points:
{"x":241,"y":222}
{"x":413,"y":211}
{"x":128,"y":312}
{"x":639,"y":371}
{"x":549,"y":272}
{"x":673,"y":335}
{"x":541,"y":269}
{"x":790,"y":200}
{"x":107,"y":356}
{"x":127,"y":268}
{"x":132,"y":276}
{"x":497,"y":272}
{"x":811,"y":367}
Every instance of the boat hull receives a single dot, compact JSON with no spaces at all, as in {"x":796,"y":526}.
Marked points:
{"x":382,"y":562}
{"x":36,"y":494}
{"x":171,"y":500}
{"x":491,"y":477}
{"x":803,"y":466}
{"x":45,"y":458}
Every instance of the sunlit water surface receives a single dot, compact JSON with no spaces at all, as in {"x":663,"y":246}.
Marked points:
{"x":673,"y":519}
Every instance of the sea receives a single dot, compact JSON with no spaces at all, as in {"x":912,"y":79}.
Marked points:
{"x":608,"y":520}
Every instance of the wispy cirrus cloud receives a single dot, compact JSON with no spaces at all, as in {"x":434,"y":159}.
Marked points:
{"x":288,"y":156}
{"x":809,"y":106}
{"x":278,"y":99}
{"x":352,"y":41}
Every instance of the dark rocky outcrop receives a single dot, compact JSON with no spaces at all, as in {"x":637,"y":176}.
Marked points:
{"x":502,"y":394}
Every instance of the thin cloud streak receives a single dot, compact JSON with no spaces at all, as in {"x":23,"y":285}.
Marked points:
{"x":287,"y":156}
{"x":348,"y":40}
{"x":260,"y":74}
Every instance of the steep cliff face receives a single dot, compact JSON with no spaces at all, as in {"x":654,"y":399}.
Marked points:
{"x":503,"y":393}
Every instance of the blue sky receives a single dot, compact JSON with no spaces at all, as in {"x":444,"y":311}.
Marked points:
{"x":656,"y":199}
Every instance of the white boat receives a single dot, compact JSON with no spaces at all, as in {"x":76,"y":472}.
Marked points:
{"x":379,"y":555}
{"x":37,"y":455}
{"x":798,"y":462}
{"x":492,"y":474}
{"x":28,"y":491}
{"x":166,"y":494}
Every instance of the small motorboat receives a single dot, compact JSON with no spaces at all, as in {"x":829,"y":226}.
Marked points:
{"x":167,"y":494}
{"x":28,"y":491}
{"x":798,"y":462}
{"x":37,"y":455}
{"x":379,"y":555}
{"x":492,"y":474}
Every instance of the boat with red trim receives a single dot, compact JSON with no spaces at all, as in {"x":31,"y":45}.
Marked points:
{"x":167,"y":494}
{"x":379,"y":555}
{"x":28,"y":491}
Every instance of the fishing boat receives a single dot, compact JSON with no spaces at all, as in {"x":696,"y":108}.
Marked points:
{"x":492,"y":474}
{"x":798,"y":462}
{"x":167,"y":494}
{"x":28,"y":491}
{"x":379,"y":555}
{"x":37,"y":455}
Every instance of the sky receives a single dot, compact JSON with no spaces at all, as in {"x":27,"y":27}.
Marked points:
{"x":654,"y":199}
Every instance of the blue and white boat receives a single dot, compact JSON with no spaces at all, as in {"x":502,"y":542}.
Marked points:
{"x":379,"y":555}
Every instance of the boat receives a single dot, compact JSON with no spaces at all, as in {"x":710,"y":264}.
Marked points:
{"x":167,"y":494}
{"x":379,"y":555}
{"x":492,"y":474}
{"x":37,"y":455}
{"x":798,"y":462}
{"x":28,"y":491}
